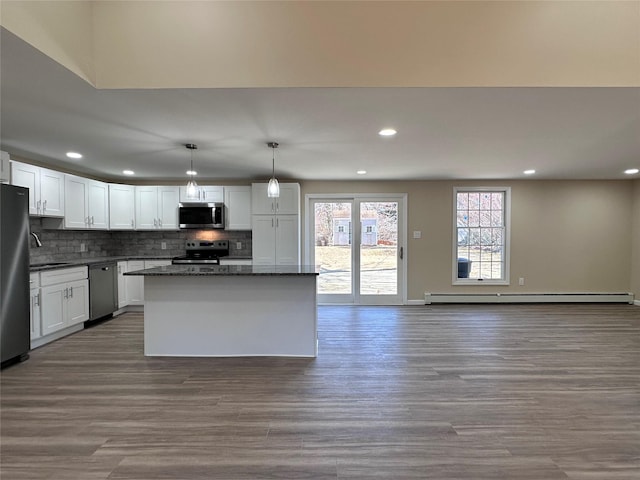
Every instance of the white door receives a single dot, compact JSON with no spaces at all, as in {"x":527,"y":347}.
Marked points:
{"x":135,"y":285}
{"x":53,"y":308}
{"x":76,"y":196}
{"x":358,"y":243}
{"x":28,"y":176}
{"x":146,"y":208}
{"x":77,"y":302}
{"x":98,"y":205}
{"x":168,"y":207}
{"x":121,"y":207}
{"x":264,"y":240}
{"x":52,"y":192}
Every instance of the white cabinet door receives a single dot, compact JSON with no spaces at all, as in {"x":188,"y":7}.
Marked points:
{"x":237,"y":201}
{"x":46,"y":188}
{"x":123,"y":299}
{"x":28,"y":176}
{"x":51,"y":193}
{"x":98,"y":193}
{"x":168,"y":208}
{"x":146,"y":208}
{"x":77,"y":302}
{"x":264,"y":240}
{"x":34,"y":310}
{"x":122,"y":208}
{"x":53,"y":302}
{"x":135,"y":285}
{"x":287,"y":240}
{"x":288,"y":203}
{"x":206,"y":193}
{"x":76,"y":193}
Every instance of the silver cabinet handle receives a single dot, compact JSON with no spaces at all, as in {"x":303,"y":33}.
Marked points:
{"x":119,"y":269}
{"x":92,"y":220}
{"x":160,"y":222}
{"x":272,"y":223}
{"x":277,"y":206}
{"x":38,"y":203}
{"x":66,"y":293}
{"x":401,"y":253}
{"x":273,"y":206}
{"x":155,"y":222}
{"x":44,"y":206}
{"x":71,"y":292}
{"x":277,"y":223}
{"x":132,"y":224}
{"x":38,"y":300}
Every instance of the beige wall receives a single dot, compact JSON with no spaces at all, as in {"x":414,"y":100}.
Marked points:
{"x":566,"y":236}
{"x":635,"y":255}
{"x":63,"y":30}
{"x":211,"y":44}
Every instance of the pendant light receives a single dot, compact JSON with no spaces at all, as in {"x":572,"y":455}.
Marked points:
{"x":273,"y":189}
{"x":192,"y":186}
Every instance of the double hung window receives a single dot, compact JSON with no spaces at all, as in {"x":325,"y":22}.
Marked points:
{"x":481,"y":235}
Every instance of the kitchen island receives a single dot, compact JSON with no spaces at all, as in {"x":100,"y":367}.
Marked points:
{"x":230,"y":310}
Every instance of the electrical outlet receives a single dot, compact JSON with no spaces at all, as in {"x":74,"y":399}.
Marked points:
{"x":83,"y":247}
{"x":521,"y":281}
{"x":238,"y":245}
{"x":417,"y":234}
{"x":163,"y":245}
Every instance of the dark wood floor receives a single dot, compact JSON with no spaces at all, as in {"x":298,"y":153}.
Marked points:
{"x":438,"y":392}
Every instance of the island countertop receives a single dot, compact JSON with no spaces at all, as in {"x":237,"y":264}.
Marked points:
{"x":227,"y":270}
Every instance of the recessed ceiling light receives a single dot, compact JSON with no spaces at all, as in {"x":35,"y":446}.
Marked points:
{"x":74,"y":155}
{"x":631,"y":171}
{"x":361,"y":172}
{"x":128,"y":172}
{"x":529,"y":172}
{"x":191,"y":172}
{"x":387,"y":132}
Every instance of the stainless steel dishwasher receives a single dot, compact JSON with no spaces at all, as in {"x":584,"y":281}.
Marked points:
{"x":103,"y":290}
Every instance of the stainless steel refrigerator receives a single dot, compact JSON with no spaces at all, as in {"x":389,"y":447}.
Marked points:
{"x":14,"y":273}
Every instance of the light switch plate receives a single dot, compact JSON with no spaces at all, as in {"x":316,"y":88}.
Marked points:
{"x":238,"y":245}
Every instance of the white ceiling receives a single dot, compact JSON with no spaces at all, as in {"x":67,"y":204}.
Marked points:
{"x":324,"y":133}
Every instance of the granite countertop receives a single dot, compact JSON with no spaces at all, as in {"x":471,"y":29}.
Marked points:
{"x":81,"y":262}
{"x":226,"y":270}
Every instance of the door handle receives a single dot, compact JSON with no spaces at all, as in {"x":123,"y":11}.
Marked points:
{"x":401,"y":253}
{"x":71,"y":292}
{"x":160,"y":222}
{"x":66,"y":293}
{"x":44,"y":206}
{"x":92,"y":222}
{"x":155,"y":222}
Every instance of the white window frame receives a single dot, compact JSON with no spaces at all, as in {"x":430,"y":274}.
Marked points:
{"x":507,"y":238}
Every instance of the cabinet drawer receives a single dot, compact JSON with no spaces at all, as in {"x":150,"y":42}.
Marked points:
{"x":63,"y":275}
{"x":34,"y":280}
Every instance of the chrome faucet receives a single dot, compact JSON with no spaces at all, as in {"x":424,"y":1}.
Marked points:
{"x":38,"y":242}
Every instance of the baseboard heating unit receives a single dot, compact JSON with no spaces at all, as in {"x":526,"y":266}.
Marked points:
{"x":430,"y":298}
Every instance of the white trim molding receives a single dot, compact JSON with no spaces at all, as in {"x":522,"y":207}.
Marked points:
{"x":604,"y":297}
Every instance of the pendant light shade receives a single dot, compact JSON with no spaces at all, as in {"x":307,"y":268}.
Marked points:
{"x":192,"y":186}
{"x":273,"y":189}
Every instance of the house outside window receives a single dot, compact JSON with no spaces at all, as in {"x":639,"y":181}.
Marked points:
{"x":481,"y":235}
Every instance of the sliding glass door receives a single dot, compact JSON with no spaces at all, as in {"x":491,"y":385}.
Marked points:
{"x":357,"y":243}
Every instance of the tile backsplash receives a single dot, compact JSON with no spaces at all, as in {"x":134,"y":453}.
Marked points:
{"x":64,"y":245}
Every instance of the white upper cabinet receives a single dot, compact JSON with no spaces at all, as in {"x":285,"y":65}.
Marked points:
{"x":156,"y":208}
{"x":46,"y":188}
{"x":237,"y":201}
{"x":121,"y":207}
{"x":288,"y":203}
{"x":87,"y":203}
{"x":206,"y":194}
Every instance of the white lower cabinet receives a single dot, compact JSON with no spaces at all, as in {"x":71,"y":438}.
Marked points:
{"x":123,"y":297}
{"x":64,"y":298}
{"x":34,"y":306}
{"x":134,"y":285}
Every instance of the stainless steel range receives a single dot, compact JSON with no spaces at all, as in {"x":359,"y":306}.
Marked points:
{"x":204,"y":252}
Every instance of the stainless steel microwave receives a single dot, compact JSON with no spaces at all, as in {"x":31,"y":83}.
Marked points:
{"x":201,"y":215}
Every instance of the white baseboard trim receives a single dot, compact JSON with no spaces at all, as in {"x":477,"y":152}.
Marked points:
{"x":637,"y":302}
{"x":415,"y":302}
{"x":38,"y":342}
{"x":430,"y":298}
